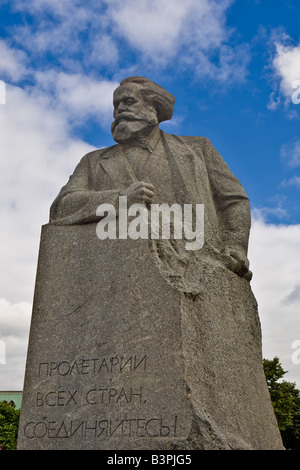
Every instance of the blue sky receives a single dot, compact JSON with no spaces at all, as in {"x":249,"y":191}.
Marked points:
{"x":230,"y":64}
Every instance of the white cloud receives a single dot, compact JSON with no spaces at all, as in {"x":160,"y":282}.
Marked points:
{"x":276,"y":208}
{"x":290,"y":153}
{"x":86,"y":96}
{"x":231,"y":65}
{"x":152,"y":27}
{"x":193,"y":32}
{"x":14,"y":327}
{"x":286,"y":63}
{"x":161,"y":27}
{"x":12,"y":63}
{"x":37,"y":156}
{"x":14,"y":319}
{"x":294,"y":296}
{"x":294,"y":181}
{"x":274,"y":253}
{"x":77,"y":96}
{"x":64,"y":29}
{"x":104,"y":50}
{"x":55,"y":7}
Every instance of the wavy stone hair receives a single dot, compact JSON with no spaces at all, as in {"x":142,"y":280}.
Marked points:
{"x":162,"y":101}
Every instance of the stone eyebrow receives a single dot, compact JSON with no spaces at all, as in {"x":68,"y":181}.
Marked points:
{"x":124,"y":96}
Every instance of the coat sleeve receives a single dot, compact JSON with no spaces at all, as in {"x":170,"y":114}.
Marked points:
{"x":77,"y":201}
{"x":231,"y":201}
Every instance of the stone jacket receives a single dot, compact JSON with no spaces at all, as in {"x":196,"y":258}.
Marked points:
{"x":198,"y":174}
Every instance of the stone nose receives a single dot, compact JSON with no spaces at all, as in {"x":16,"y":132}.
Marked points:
{"x":121,"y":107}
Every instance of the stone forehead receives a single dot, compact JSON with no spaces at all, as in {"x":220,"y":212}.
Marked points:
{"x":129,"y":87}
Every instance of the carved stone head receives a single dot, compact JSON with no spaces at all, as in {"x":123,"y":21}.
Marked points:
{"x":139,"y":106}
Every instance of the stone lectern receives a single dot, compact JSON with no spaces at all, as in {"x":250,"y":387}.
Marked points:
{"x":145,"y":331}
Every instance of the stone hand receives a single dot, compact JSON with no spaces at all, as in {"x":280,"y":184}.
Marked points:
{"x":240,"y":263}
{"x":139,"y":192}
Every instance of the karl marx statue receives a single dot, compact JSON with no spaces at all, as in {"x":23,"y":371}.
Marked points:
{"x":220,"y":337}
{"x":150,"y":166}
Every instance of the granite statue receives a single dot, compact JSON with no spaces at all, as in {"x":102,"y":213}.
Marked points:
{"x":140,"y":343}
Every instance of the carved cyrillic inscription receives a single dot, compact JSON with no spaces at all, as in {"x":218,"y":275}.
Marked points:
{"x":103,"y":428}
{"x":84,"y":366}
{"x":112,"y":392}
{"x":57,"y":398}
{"x":94,"y":396}
{"x":109,"y":396}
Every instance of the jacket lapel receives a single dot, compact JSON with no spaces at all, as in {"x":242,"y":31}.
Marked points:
{"x":183,"y":168}
{"x":116,"y":167}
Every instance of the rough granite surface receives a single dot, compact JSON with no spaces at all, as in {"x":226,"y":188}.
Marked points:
{"x":120,"y":358}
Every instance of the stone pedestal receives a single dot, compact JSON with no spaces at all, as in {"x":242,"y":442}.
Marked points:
{"x":119,"y":358}
{"x":105,"y":365}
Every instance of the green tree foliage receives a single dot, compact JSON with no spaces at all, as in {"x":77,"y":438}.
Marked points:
{"x":9,"y":423}
{"x":286,"y":403}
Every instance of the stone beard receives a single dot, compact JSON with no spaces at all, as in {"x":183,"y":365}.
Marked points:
{"x":128,"y":127}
